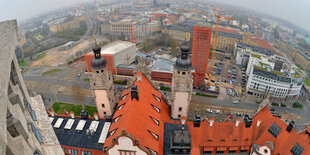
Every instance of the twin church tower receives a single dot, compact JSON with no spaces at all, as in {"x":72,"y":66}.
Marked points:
{"x":101,"y":82}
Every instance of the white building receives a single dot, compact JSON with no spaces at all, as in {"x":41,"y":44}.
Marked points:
{"x":259,"y":60}
{"x":279,"y":86}
{"x":243,"y":52}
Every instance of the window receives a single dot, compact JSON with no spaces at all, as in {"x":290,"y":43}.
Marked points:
{"x":86,"y":153}
{"x":73,"y":151}
{"x":126,"y":152}
{"x":121,"y":106}
{"x":155,"y":120}
{"x":104,"y":112}
{"x":157,"y":109}
{"x":124,"y":96}
{"x":102,"y":105}
{"x":112,"y":132}
{"x":157,"y":98}
{"x":97,"y":71}
{"x":101,"y":71}
{"x":179,"y":116}
{"x":297,"y":149}
{"x":180,"y":108}
{"x":274,"y":130}
{"x":154,"y":134}
{"x":117,"y":118}
{"x":183,"y":73}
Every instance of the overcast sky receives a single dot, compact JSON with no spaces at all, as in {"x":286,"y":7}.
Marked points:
{"x":25,"y":9}
{"x":296,"y":11}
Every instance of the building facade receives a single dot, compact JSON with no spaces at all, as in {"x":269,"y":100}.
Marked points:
{"x":200,"y":52}
{"x":279,"y":86}
{"x":182,"y":85}
{"x":101,"y":82}
{"x":25,"y":127}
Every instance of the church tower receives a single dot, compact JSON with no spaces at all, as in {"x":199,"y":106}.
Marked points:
{"x":182,"y":85}
{"x":101,"y":82}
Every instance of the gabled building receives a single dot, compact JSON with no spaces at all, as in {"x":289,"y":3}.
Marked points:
{"x":139,"y":118}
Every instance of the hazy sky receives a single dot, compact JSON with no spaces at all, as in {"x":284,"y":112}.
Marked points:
{"x":24,"y":9}
{"x":295,"y":11}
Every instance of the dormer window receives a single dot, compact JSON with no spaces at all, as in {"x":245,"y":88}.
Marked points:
{"x":117,"y":118}
{"x":154,"y":134}
{"x":121,"y":106}
{"x":155,"y":120}
{"x":157,"y":98}
{"x":157,"y":109}
{"x":112,"y":132}
{"x":124,"y":96}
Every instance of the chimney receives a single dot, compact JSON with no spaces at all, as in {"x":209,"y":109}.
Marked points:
{"x":96,"y":116}
{"x":84,"y":114}
{"x":134,"y":92}
{"x":72,"y":114}
{"x":290,"y":126}
{"x":197,"y":120}
{"x":183,"y":119}
{"x":51,"y":111}
{"x":237,"y":122}
{"x":258,"y":122}
{"x":248,"y":121}
{"x":211,"y":122}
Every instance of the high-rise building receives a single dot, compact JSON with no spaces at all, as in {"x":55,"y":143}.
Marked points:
{"x":24,"y":124}
{"x":182,"y":85}
{"x":200,"y":52}
{"x":101,"y":82}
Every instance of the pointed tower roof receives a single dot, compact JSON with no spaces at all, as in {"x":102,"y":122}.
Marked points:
{"x":98,"y":62}
{"x":184,"y":63}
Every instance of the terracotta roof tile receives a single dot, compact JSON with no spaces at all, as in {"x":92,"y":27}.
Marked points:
{"x":135,"y":116}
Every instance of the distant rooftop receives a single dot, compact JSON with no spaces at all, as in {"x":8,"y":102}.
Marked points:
{"x":162,"y":65}
{"x":115,"y":47}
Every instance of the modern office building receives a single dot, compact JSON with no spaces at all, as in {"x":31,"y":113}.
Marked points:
{"x":280,"y":86}
{"x":200,"y":52}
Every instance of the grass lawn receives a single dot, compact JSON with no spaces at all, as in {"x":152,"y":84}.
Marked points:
{"x":22,"y":64}
{"x":39,"y":56}
{"x":86,"y":79}
{"x":299,"y":66}
{"x":59,"y":108}
{"x":51,"y":71}
{"x":307,"y":81}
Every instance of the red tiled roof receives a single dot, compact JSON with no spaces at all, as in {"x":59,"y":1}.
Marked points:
{"x":136,"y":116}
{"x":259,"y":42}
{"x":226,"y":134}
{"x":229,"y":30}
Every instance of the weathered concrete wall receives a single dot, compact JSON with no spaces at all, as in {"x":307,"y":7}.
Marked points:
{"x":16,"y":123}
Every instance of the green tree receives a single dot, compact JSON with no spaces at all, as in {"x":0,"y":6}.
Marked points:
{"x":145,"y":47}
{"x":174,"y":49}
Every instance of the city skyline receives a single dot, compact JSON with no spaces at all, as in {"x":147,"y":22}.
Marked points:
{"x":287,"y":10}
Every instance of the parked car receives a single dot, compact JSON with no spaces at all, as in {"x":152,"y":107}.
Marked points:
{"x":272,"y":109}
